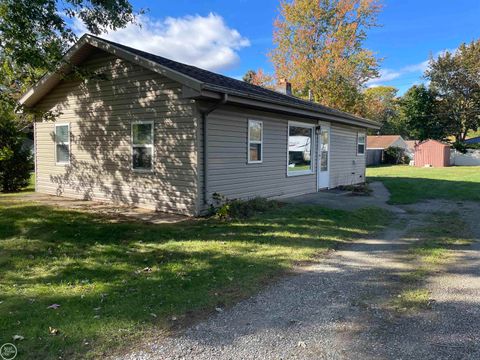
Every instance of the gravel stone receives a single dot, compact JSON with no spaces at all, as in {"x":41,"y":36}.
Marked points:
{"x":335,"y":309}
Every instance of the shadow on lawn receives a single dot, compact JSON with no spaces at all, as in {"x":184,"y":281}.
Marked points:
{"x":98,"y":273}
{"x":133,"y":270}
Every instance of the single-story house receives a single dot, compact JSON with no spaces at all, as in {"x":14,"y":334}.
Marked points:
{"x":377,"y":144}
{"x":147,"y":131}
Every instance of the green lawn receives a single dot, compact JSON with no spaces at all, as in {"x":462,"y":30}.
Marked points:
{"x":410,"y":184}
{"x":118,"y":282}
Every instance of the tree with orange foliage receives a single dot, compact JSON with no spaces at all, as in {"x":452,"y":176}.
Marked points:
{"x":259,"y":78}
{"x":319,"y":47}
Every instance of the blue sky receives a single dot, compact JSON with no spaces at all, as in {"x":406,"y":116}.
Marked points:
{"x":232,"y":36}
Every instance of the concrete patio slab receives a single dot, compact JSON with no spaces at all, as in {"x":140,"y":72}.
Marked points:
{"x":346,"y":200}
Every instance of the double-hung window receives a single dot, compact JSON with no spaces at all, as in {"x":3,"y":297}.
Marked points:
{"x":62,"y":144}
{"x":255,"y":141}
{"x":361,"y":143}
{"x":300,"y":148}
{"x":142,"y":146}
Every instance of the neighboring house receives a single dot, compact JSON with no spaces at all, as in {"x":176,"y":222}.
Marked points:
{"x":377,"y":144}
{"x":475,"y":140}
{"x":151,"y":132}
{"x":432,"y":153}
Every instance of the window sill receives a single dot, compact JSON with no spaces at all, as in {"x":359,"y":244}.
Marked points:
{"x":300,"y":173}
{"x":62,"y":164}
{"x":141,"y":171}
{"x":255,"y":162}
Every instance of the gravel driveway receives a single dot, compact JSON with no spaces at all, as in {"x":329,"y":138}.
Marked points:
{"x":335,"y":309}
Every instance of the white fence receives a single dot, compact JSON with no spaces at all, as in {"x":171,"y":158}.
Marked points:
{"x":471,"y":158}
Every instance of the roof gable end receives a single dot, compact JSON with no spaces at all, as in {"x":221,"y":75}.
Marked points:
{"x":80,"y":51}
{"x":381,"y":141}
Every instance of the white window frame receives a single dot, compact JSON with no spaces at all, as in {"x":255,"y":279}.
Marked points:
{"x":312,"y":147}
{"x":62,"y":163}
{"x":250,"y":121}
{"x":152,"y":145}
{"x":359,"y":134}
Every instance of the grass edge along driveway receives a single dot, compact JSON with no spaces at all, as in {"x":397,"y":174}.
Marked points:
{"x":409,"y":184}
{"x":76,"y":285}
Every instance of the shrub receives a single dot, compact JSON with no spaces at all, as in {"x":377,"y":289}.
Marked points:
{"x":460,"y":147}
{"x":473,"y":146}
{"x":395,"y":155}
{"x":15,"y":161}
{"x":224,"y":208}
{"x":358,"y":189}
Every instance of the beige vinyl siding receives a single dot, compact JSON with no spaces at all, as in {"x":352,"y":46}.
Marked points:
{"x":346,"y":167}
{"x":100,"y":113}
{"x":229,"y":173}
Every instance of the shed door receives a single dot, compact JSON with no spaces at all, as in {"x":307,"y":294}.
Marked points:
{"x":323,"y":168}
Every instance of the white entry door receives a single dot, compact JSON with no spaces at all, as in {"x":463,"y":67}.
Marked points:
{"x":323,"y":166}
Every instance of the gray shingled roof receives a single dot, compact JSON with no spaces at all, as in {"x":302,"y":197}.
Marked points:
{"x":214,"y":81}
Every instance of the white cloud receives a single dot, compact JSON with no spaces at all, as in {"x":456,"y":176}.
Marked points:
{"x":203,"y":41}
{"x":385,"y":75}
{"x":406,"y":73}
{"x":420,"y":67}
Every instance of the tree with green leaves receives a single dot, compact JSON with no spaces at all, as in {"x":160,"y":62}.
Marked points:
{"x":15,"y":159}
{"x":418,"y":109}
{"x":34,"y":34}
{"x":455,"y":79}
{"x":319,"y":47}
{"x":380,"y":103}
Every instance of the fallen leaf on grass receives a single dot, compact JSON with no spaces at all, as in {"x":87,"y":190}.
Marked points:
{"x":53,"y":306}
{"x":17,"y":337}
{"x":53,"y":331}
